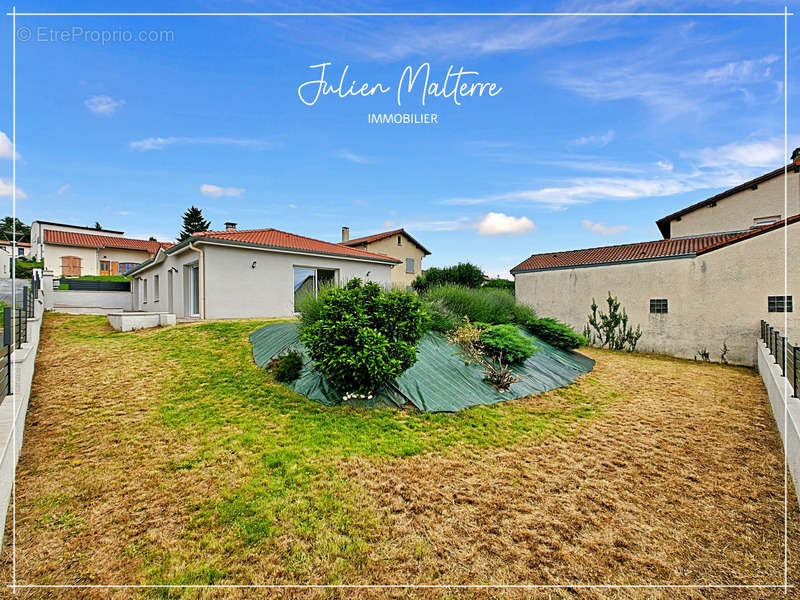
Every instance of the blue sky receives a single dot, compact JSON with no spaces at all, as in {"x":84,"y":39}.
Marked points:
{"x":603,"y":124}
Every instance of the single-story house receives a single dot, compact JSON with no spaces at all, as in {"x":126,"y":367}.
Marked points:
{"x":717,"y":272}
{"x":398,"y":244}
{"x":248,"y":273}
{"x":73,"y":250}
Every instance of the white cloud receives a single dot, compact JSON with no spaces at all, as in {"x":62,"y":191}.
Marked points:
{"x":445,"y":225}
{"x":353,"y":157}
{"x":388,"y":223}
{"x":502,"y":224}
{"x":603,"y":229}
{"x":64,"y":188}
{"x":214,"y":190}
{"x":103,"y":105}
{"x":601,"y":141}
{"x":159,"y":143}
{"x":665,"y":164}
{"x":6,"y":188}
{"x":6,"y":150}
{"x":755,"y":153}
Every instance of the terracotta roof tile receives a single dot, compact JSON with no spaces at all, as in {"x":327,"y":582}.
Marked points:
{"x":368,"y":239}
{"x":622,"y":253}
{"x":290,"y":241}
{"x":88,"y":240}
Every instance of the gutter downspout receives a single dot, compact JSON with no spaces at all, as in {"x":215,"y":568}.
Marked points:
{"x":201,"y":284}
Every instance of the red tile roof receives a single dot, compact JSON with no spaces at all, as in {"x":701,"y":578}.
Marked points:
{"x":9,"y":243}
{"x":622,"y":253}
{"x":368,"y":239}
{"x":88,"y":240}
{"x":274,"y":238}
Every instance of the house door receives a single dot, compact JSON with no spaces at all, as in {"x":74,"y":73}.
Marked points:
{"x":169,"y":291}
{"x":105,"y":267}
{"x":194,"y":291}
{"x":70,"y":266}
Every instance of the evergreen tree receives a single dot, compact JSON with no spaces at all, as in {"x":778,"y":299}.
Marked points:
{"x":97,"y":225}
{"x":193,"y":222}
{"x":7,"y":230}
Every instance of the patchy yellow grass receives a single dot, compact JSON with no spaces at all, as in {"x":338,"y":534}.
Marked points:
{"x":165,"y":456}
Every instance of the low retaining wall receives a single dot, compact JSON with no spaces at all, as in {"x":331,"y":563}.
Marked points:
{"x":14,"y":408}
{"x":785,"y":409}
{"x":88,"y":302}
{"x":129,"y":321}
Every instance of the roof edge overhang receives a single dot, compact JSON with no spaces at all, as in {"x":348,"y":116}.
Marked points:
{"x":516,"y":271}
{"x":359,"y":241}
{"x":179,"y":247}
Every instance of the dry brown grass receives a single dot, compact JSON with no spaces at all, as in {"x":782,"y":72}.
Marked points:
{"x":679,"y":480}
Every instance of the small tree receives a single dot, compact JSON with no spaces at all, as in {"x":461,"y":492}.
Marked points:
{"x":8,"y":226}
{"x":611,"y":329}
{"x":193,"y":222}
{"x":97,"y":225}
{"x":465,"y":274}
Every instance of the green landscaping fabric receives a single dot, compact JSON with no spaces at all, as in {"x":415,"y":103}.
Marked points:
{"x":440,"y":381}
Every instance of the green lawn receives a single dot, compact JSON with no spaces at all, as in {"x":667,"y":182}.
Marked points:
{"x":165,"y":456}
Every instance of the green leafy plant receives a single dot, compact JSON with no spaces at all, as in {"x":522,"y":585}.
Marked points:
{"x":467,"y":336}
{"x":501,"y":341}
{"x":364,"y":336}
{"x":555,"y":333}
{"x":500,"y":284}
{"x":705,"y":356}
{"x":23,"y":269}
{"x":464,"y":274}
{"x":447,"y":305}
{"x":723,"y":356}
{"x":611,"y":329}
{"x":286,"y":368}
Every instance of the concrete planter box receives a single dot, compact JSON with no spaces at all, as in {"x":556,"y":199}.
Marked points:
{"x":128,"y":321}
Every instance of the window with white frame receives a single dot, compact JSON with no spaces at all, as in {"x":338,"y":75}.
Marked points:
{"x":156,"y":289}
{"x":144,"y":291}
{"x":308,"y":280}
{"x":658,"y":306}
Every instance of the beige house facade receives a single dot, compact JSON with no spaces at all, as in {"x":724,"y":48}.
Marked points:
{"x":73,"y":250}
{"x":704,"y":290}
{"x":252,"y":273}
{"x":399,"y":245}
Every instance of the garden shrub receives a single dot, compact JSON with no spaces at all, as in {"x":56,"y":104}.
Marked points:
{"x":286,"y":368}
{"x":500,"y":284}
{"x":465,"y":274}
{"x":468,"y":336}
{"x":504,"y":342}
{"x":363,"y":336}
{"x":555,"y":333}
{"x":611,"y":329}
{"x":447,"y":305}
{"x":23,"y":269}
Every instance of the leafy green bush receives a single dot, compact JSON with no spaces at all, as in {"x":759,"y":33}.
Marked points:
{"x":465,"y":274}
{"x":286,"y":368}
{"x":504,"y":342}
{"x":555,"y":333}
{"x":362,"y":335}
{"x":447,"y":305}
{"x":24,"y":268}
{"x":500,"y":284}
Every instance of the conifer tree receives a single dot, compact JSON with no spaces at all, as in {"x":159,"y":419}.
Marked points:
{"x":193,"y":222}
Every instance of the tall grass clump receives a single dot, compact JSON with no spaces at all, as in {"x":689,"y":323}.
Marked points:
{"x":447,"y":305}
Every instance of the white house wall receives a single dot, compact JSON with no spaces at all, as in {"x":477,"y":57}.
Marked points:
{"x":715,"y":298}
{"x":234,"y":289}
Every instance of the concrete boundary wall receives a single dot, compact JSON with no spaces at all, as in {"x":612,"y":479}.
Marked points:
{"x":14,"y":408}
{"x":785,"y":409}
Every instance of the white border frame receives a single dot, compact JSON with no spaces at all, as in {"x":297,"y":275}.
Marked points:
{"x":785,"y":14}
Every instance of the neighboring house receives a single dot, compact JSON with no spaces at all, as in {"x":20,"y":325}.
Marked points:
{"x":397,"y":244}
{"x":8,"y":250}
{"x":72,"y":250}
{"x":247,"y":273}
{"x":718,"y":271}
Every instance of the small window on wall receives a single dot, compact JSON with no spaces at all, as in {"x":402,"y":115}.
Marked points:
{"x":779,"y":303}
{"x":399,"y":240}
{"x":125,"y":268}
{"x":762,"y":221}
{"x":409,"y":265}
{"x":658,"y":306}
{"x":155,"y":288}
{"x":144,"y":291}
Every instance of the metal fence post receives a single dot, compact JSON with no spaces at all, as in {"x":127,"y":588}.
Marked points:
{"x":25,"y":299}
{"x":7,"y":326}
